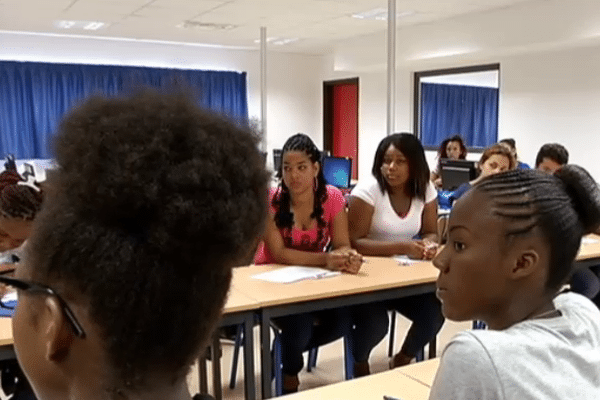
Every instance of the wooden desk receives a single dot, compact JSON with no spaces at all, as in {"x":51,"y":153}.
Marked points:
{"x":423,"y":372}
{"x":7,"y":350}
{"x":6,"y":336}
{"x":373,"y":387}
{"x":376,"y":274}
{"x":379,"y":279}
{"x":589,"y":253}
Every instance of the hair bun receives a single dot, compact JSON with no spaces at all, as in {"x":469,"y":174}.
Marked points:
{"x":584,"y":191}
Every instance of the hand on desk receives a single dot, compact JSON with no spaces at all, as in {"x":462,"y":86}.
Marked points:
{"x":345,"y":260}
{"x":422,"y":249}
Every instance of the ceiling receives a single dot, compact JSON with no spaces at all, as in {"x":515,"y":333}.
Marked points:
{"x":314,"y":26}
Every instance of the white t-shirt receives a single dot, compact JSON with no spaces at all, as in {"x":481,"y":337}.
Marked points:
{"x":386,"y":225}
{"x":554,"y":358}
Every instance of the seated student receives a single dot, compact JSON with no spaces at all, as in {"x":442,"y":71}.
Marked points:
{"x":129,"y":262}
{"x":551,"y":157}
{"x":584,"y":281}
{"x":306,"y":217}
{"x":511,"y":144}
{"x":396,"y":213}
{"x":19,"y":204}
{"x":512,"y":243}
{"x":496,"y":158}
{"x":452,"y":148}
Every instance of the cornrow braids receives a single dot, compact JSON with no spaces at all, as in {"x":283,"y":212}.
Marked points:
{"x":284,"y":219}
{"x":18,"y":200}
{"x":562,"y":208}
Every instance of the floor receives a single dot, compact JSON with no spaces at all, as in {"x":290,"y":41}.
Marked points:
{"x":329,"y":365}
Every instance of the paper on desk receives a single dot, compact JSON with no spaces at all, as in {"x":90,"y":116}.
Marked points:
{"x":10,"y":296}
{"x":295,"y":274}
{"x":588,"y":240}
{"x":404,"y":260}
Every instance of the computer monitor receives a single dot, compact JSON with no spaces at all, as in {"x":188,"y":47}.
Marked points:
{"x":337,"y":171}
{"x":456,"y":172}
{"x":277,"y":155}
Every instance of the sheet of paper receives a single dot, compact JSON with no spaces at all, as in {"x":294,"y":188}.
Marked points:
{"x":295,"y":274}
{"x":404,"y":260}
{"x":588,"y":240}
{"x":11,"y":296}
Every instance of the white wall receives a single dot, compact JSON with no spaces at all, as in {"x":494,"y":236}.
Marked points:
{"x":294,"y":82}
{"x":550,"y":96}
{"x":553,"y":97}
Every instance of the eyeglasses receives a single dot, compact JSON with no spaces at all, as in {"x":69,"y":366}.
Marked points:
{"x":38,"y":288}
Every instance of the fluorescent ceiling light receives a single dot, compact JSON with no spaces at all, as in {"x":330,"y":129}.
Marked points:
{"x":206,"y":26}
{"x":380,"y":14}
{"x":64,"y":24}
{"x":443,"y":53}
{"x":279,"y":41}
{"x":94,"y":26}
{"x":87,"y":25}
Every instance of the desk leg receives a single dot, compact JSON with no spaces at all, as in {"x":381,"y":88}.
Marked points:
{"x":216,"y":362}
{"x":265,"y":354}
{"x":202,"y":374}
{"x":432,"y":348}
{"x":249,"y":378}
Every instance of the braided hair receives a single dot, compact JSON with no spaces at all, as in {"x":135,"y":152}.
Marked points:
{"x":16,"y":199}
{"x":562,"y":207}
{"x":284,"y":218}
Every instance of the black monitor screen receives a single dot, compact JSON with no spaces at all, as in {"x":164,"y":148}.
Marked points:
{"x":277,"y":160}
{"x":456,"y":172}
{"x":337,"y":171}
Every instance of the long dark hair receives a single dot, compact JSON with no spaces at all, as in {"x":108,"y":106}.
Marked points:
{"x":284,"y":219}
{"x":443,"y":152}
{"x":411,"y":147}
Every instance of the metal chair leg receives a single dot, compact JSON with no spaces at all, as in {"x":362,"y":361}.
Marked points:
{"x":239,"y":342}
{"x":392,"y":334}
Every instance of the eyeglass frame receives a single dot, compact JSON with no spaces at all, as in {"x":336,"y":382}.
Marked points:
{"x":33,"y":287}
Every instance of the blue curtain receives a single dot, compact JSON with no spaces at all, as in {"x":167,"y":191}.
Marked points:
{"x":35,"y":96}
{"x":469,"y":111}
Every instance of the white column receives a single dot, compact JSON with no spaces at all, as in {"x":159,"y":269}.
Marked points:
{"x":263,"y":86}
{"x":391,"y":68}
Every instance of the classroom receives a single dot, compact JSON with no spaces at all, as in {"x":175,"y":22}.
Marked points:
{"x":547,"y":52}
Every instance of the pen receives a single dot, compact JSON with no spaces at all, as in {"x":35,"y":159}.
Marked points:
{"x":390,"y":398}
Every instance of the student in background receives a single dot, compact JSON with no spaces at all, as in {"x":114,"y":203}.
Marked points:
{"x":306,"y":218}
{"x":513,"y":148}
{"x":513,"y":240}
{"x":584,"y":281}
{"x":452,"y":148}
{"x":551,"y":157}
{"x":129,"y":263}
{"x":495,"y":159}
{"x":19,"y":204}
{"x":396,"y":213}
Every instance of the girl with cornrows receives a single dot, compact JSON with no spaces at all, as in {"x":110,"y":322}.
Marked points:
{"x":512,"y":242}
{"x":306,"y":219}
{"x":20,"y":201}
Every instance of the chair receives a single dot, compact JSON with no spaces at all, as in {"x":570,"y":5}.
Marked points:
{"x":277,"y":360}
